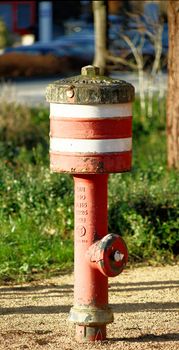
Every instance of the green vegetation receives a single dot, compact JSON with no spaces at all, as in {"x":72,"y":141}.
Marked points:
{"x":36,"y":207}
{"x":5,"y":39}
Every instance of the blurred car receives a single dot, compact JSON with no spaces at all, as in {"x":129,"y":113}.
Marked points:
{"x":77,"y":44}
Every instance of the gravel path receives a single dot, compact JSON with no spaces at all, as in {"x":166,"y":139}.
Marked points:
{"x":145,"y":301}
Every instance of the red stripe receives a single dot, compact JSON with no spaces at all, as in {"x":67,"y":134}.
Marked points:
{"x":112,"y":128}
{"x":82,"y":164}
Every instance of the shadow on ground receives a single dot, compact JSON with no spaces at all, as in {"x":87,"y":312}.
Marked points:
{"x":149,"y":338}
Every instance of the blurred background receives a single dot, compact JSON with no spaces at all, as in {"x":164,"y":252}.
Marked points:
{"x":58,"y":36}
{"x":45,"y":39}
{"x":42,"y":41}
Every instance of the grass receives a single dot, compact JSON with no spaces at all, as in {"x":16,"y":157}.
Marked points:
{"x":36,"y":207}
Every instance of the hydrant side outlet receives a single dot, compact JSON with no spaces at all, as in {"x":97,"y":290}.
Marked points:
{"x":109,"y":255}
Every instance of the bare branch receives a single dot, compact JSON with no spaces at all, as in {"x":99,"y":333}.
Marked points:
{"x":137,"y":54}
{"x":121,"y":60}
{"x":158,"y":50}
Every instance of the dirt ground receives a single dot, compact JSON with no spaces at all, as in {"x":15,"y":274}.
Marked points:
{"x":145,"y":301}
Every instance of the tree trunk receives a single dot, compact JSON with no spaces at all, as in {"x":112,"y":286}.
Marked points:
{"x":100,"y":26}
{"x":173,"y":86}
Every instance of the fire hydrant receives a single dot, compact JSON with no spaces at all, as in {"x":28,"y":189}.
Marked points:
{"x":90,"y":137}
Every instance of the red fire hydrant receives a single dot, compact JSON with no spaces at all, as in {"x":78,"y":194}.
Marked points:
{"x":90,"y":137}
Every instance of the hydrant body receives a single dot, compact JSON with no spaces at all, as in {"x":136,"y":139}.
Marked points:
{"x":90,"y":311}
{"x":91,"y":136}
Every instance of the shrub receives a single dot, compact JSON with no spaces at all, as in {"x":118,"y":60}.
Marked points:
{"x":4,"y":35}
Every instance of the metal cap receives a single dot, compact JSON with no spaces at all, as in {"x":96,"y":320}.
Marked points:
{"x":90,"y":88}
{"x":90,"y":71}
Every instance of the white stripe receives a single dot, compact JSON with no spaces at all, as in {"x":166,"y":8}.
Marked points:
{"x":90,"y":146}
{"x":58,"y":110}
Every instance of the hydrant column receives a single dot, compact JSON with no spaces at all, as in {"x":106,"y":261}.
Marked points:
{"x":91,"y":137}
{"x":90,"y":311}
{"x":90,"y":225}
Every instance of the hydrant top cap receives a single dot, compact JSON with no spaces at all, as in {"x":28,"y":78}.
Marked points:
{"x":90,"y":70}
{"x":89,"y":88}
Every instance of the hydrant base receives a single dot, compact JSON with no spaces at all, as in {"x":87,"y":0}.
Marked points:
{"x":90,"y":316}
{"x":88,"y":333}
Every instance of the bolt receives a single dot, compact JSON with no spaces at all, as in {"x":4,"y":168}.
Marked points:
{"x":118,"y":256}
{"x":70,"y":93}
{"x":90,"y":71}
